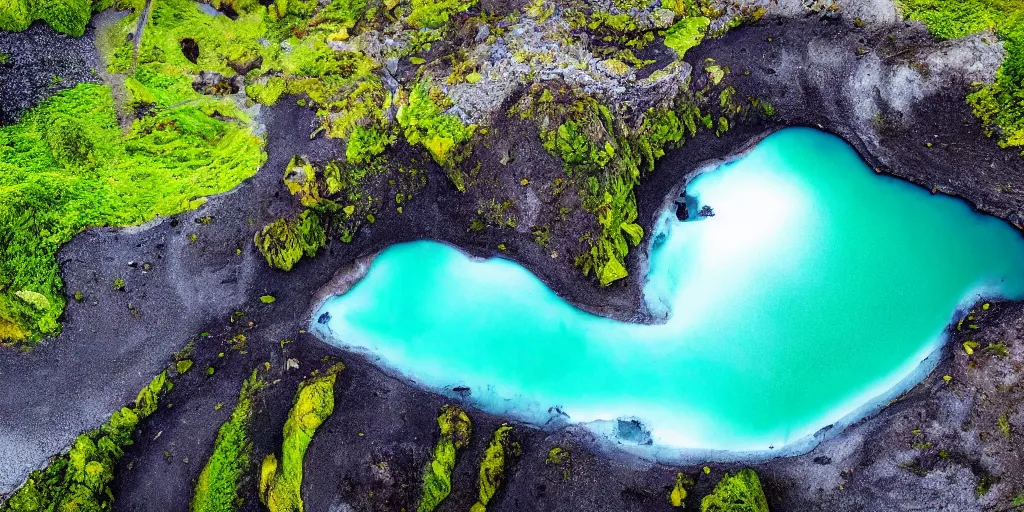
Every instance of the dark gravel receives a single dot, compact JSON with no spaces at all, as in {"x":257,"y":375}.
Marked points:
{"x":39,"y":63}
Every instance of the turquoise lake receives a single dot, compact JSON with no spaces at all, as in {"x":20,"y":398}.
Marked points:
{"x":816,"y":288}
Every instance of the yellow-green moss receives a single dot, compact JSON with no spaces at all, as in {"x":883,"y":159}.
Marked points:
{"x":736,"y":493}
{"x":686,"y":33}
{"x":283,"y":243}
{"x":425,"y":124}
{"x":281,"y":479}
{"x":493,"y":467}
{"x":65,"y":16}
{"x":217,"y":488}
{"x":80,"y":479}
{"x":999,"y":105}
{"x":436,"y":13}
{"x":66,"y":166}
{"x":677,"y":498}
{"x":456,"y":430}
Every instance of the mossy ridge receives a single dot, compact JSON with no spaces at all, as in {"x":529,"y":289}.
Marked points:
{"x":217,"y":488}
{"x":736,"y":493}
{"x":494,"y":466}
{"x":65,"y":16}
{"x":605,"y":156}
{"x":636,"y":24}
{"x":999,"y":105}
{"x":435,"y":13}
{"x":66,"y":166}
{"x":81,"y":478}
{"x":456,"y":430}
{"x":281,"y":478}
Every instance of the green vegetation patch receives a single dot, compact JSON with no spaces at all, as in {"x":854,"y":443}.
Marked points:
{"x":736,"y":493}
{"x":443,"y":135}
{"x":217,"y":488}
{"x":281,"y":479}
{"x":66,"y":166}
{"x":80,"y":479}
{"x":686,"y":33}
{"x":436,"y":13}
{"x":65,"y":16}
{"x":284,"y":242}
{"x":456,"y":430}
{"x":493,"y":466}
{"x":999,"y":105}
{"x":605,"y":156}
{"x":677,"y":497}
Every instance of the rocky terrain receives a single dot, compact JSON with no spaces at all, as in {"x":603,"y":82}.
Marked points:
{"x":196,"y":280}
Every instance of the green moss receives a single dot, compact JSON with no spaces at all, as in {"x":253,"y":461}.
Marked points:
{"x":281,"y":479}
{"x":183,"y":366}
{"x":493,"y":467}
{"x":34,"y":299}
{"x":736,"y":493}
{"x":456,"y":430}
{"x":65,"y":16}
{"x":224,"y":44}
{"x":443,"y":135}
{"x":367,"y":143}
{"x":677,"y":498}
{"x":606,"y":157}
{"x":999,"y":105}
{"x":80,"y":479}
{"x":217,"y":488}
{"x":67,"y":166}
{"x":557,"y":455}
{"x":268,"y":91}
{"x":686,"y":33}
{"x":283,"y":243}
{"x":15,"y":15}
{"x":436,"y":13}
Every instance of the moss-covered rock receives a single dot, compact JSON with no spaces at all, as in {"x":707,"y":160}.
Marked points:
{"x":493,"y":467}
{"x":217,"y":488}
{"x":15,"y":15}
{"x":281,"y":478}
{"x":456,"y":430}
{"x":736,"y":493}
{"x":999,"y":105}
{"x":283,"y":243}
{"x":436,"y":13}
{"x":65,"y":16}
{"x":426,"y":124}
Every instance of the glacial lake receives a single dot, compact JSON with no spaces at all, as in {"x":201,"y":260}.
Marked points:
{"x":817,"y":291}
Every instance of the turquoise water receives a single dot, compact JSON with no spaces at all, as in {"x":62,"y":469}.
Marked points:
{"x":815,"y":289}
